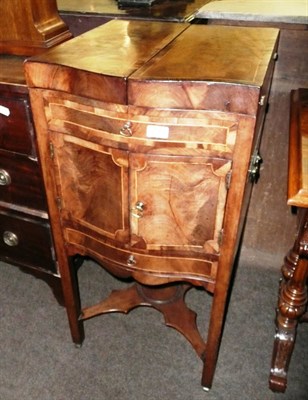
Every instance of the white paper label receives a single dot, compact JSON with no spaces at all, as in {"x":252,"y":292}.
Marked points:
{"x":5,"y":111}
{"x":157,"y":132}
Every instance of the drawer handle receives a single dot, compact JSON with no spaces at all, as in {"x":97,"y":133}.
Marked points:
{"x":10,"y":238}
{"x":131,"y":260}
{"x":5,"y":178}
{"x":254,"y":167}
{"x":137,"y":211}
{"x":126,"y":129}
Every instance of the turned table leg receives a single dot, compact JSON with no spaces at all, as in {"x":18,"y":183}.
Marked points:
{"x":291,"y":307}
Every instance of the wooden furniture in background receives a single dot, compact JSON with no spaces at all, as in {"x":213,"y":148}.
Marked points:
{"x":83,"y":15}
{"x":148,"y":134}
{"x":29,"y":26}
{"x":292,"y":303}
{"x":25,"y":233}
{"x":25,"y":236}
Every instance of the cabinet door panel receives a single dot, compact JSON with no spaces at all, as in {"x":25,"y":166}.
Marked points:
{"x":92,"y":186}
{"x":177,"y":202}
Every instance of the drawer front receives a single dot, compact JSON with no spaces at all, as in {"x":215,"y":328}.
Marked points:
{"x":133,"y":126}
{"x":16,"y":130}
{"x":26,"y":241}
{"x":153,"y":269}
{"x":21,"y":181}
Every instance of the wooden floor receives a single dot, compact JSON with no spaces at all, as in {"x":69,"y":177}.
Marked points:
{"x":270,"y":225}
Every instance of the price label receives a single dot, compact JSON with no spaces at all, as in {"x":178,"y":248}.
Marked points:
{"x":4,"y":111}
{"x":157,"y":132}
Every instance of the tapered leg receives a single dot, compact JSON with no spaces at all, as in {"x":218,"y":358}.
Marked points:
{"x":214,"y":334}
{"x":72,"y":302}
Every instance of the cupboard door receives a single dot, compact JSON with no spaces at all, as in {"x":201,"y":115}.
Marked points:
{"x":92,"y":186}
{"x":177,"y":202}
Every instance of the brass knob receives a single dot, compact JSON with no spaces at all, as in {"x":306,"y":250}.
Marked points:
{"x":10,"y":238}
{"x":5,"y":178}
{"x":137,"y":211}
{"x":131,"y":260}
{"x":126,"y":129}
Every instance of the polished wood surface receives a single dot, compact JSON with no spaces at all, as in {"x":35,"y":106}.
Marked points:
{"x":30,"y":26}
{"x":293,"y":296}
{"x":154,"y":192}
{"x":216,"y":64}
{"x":298,"y":150}
{"x":139,"y":45}
{"x":134,"y":46}
{"x":12,"y":71}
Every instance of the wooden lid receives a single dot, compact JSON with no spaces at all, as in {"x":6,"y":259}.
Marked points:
{"x":204,"y":62}
{"x":98,"y":63}
{"x":164,"y":64}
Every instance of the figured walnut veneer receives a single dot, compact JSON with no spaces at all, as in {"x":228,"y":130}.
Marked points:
{"x":146,"y":142}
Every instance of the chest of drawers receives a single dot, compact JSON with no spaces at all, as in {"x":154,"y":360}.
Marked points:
{"x":148,"y":134}
{"x":25,"y":233}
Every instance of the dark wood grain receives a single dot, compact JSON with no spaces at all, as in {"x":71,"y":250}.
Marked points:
{"x":16,"y":131}
{"x":26,"y":28}
{"x":292,"y":303}
{"x":298,"y":155}
{"x":34,"y":242}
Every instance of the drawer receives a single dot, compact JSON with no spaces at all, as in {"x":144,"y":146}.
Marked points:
{"x":26,"y":241}
{"x":148,"y":269}
{"x":16,"y":130}
{"x":21,"y":181}
{"x":136,"y":125}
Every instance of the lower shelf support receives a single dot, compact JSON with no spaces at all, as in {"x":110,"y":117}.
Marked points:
{"x":169,"y":300}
